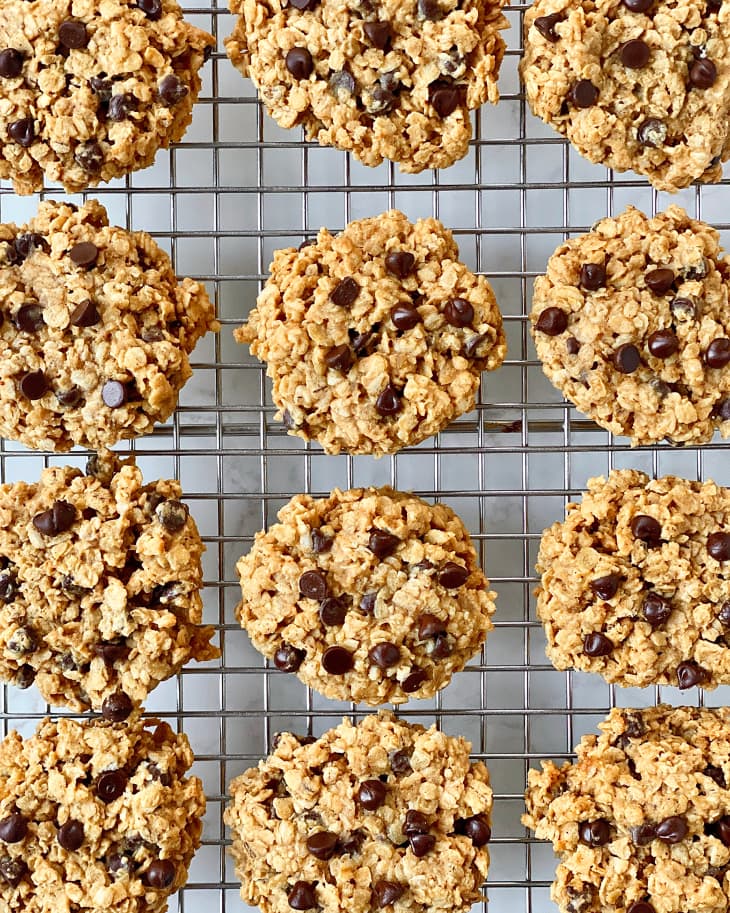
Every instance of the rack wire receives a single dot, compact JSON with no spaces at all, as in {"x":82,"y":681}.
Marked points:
{"x":221,"y":202}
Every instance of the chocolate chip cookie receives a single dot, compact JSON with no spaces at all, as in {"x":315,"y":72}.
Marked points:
{"x":100,"y":580}
{"x":90,"y":90}
{"x":636,"y":582}
{"x":96,"y":330}
{"x":368,"y":595}
{"x":632,"y":324}
{"x":375,"y":339}
{"x":390,"y":80}
{"x":96,"y":816}
{"x":634,"y":84}
{"x":384,"y":814}
{"x":641,"y":820}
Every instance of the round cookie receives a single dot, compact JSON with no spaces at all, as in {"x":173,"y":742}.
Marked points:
{"x":384,"y":814}
{"x":90,"y":90}
{"x":632,"y":324}
{"x":99,"y":587}
{"x":375,"y":339}
{"x":96,"y":816}
{"x":369,"y":595}
{"x":634,"y":84}
{"x":390,"y":80}
{"x":641,"y":820}
{"x":635,"y":582}
{"x":96,"y":331}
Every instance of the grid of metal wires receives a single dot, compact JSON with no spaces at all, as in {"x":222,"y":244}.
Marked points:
{"x":233,"y":191}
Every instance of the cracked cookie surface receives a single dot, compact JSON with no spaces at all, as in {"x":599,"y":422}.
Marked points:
{"x":369,"y":595}
{"x":382,"y":815}
{"x":631,"y":323}
{"x":641,"y":820}
{"x":635,"y":582}
{"x":99,"y":587}
{"x":375,"y":338}
{"x":634,"y":84}
{"x":393,"y":80}
{"x":90,"y":90}
{"x":96,"y":331}
{"x":96,"y":816}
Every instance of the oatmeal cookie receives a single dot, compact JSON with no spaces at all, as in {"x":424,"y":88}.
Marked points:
{"x":636,"y":582}
{"x":90,"y":90}
{"x":385,"y":814}
{"x":375,"y":339}
{"x":96,"y":816}
{"x":634,"y":84}
{"x":99,"y":587}
{"x":97,"y":331}
{"x":641,"y":820}
{"x":391,"y":80}
{"x":368,"y":595}
{"x":632,"y":324}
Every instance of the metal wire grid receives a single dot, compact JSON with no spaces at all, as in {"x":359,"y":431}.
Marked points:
{"x":236,"y":189}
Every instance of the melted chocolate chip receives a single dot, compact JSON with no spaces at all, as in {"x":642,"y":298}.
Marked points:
{"x":429,"y":626}
{"x":476,"y":828}
{"x":584,"y":94}
{"x":405,"y":316}
{"x":546,"y":26}
{"x":320,"y":542}
{"x":111,"y":651}
{"x":672,"y":830}
{"x":421,"y":844}
{"x":659,"y":281}
{"x":689,"y":674}
{"x":384,"y":655}
{"x":703,"y":73}
{"x":386,"y":893}
{"x":718,"y":545}
{"x":22,"y":131}
{"x":11,"y":63}
{"x":552,"y":321}
{"x":389,"y":401}
{"x":367,"y":603}
{"x":414,"y":680}
{"x":723,"y":615}
{"x":73,"y":35}
{"x":651,"y":132}
{"x":12,"y":870}
{"x":84,"y":315}
{"x":84,"y":253}
{"x":400,"y":761}
{"x":71,"y":835}
{"x":337,"y":660}
{"x":340,"y":358}
{"x":121,"y":106}
{"x":626,"y":359}
{"x":445,"y":97}
{"x":345,"y":293}
{"x":716,"y":774}
{"x":58,"y":519}
{"x":379,"y":34}
{"x":29,"y":318}
{"x":171,"y":90}
{"x":663,"y":343}
{"x":635,"y":54}
{"x":288,"y":658}
{"x":151,"y":8}
{"x":33,"y":385}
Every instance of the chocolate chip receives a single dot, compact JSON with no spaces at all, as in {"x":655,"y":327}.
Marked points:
{"x":659,"y":281}
{"x":25,"y":676}
{"x":345,"y":292}
{"x":8,"y":586}
{"x":13,"y":828}
{"x":28,"y":243}
{"x":652,"y":132}
{"x":399,"y":262}
{"x":84,"y":314}
{"x":703,"y":73}
{"x":342,"y":82}
{"x":414,"y":680}
{"x":90,"y":157}
{"x":101,"y":87}
{"x":716,"y":774}
{"x":592,"y":276}
{"x":111,"y":785}
{"x":322,"y":845}
{"x":459,"y":312}
{"x":400,"y":761}
{"x":121,"y":106}
{"x":337,"y":660}
{"x":288,"y":658}
{"x":113,"y":394}
{"x":167,"y":593}
{"x":389,"y":401}
{"x":379,"y":34}
{"x":718,"y":353}
{"x":386,"y":893}
{"x":689,"y":674}
{"x":11,"y":63}
{"x":340,"y":358}
{"x":22,"y":131}
{"x":442,"y":647}
{"x":332,"y":611}
{"x":421,"y":844}
{"x":672,"y":829}
{"x":718,"y":545}
{"x":116,"y":863}
{"x":429,"y":9}
{"x":29,"y":318}
{"x":546,"y":26}
{"x":645,"y":528}
{"x":111,"y":651}
{"x":445,"y":97}
{"x":663,"y":343}
{"x":405,"y":316}
{"x":583,"y":94}
{"x":160,"y":874}
{"x":313,"y":584}
{"x":117,"y":707}
{"x":172,"y":515}
{"x":320,"y":542}
{"x":638,"y":6}
{"x":379,"y":100}
{"x":597,"y":644}
{"x":415,"y":823}
{"x":22,"y":641}
{"x":302,"y":896}
{"x":71,"y":835}
{"x":606,"y":587}
{"x":72,"y":34}
{"x":453,"y":575}
{"x":656,"y":609}
{"x":640,"y":906}
{"x":643,"y":834}
{"x":84,"y":253}
{"x":299,"y":63}
{"x":151,"y":8}
{"x":472,"y":345}
{"x":382,"y":543}
{"x":724,"y":614}
{"x":60,"y":518}
{"x":595,"y":833}
{"x":12,"y":870}
{"x":367,"y":603}
{"x":33,"y":385}
{"x":626,"y":359}
{"x":476,"y":828}
{"x":384,"y":655}
{"x":171,"y":90}
{"x":635,"y":54}
{"x":552,"y":321}
{"x":429,"y":626}
{"x":371,"y":794}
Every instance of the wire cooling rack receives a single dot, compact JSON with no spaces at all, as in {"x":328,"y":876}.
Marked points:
{"x":221,"y":202}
